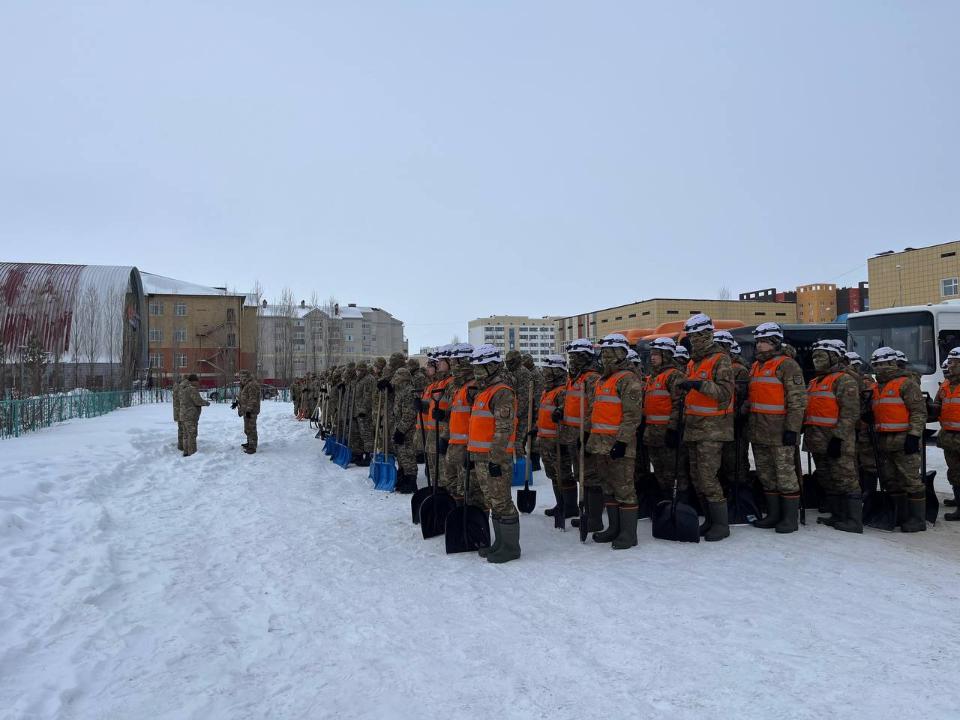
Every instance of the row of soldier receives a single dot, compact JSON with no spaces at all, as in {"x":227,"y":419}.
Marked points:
{"x":691,"y":418}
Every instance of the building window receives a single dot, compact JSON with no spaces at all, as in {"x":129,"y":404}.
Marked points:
{"x":180,"y":335}
{"x":156,"y":360}
{"x":948,"y":287}
{"x":604,"y":320}
{"x":946,"y":255}
{"x":231,"y":340}
{"x":673,"y":312}
{"x":156,"y":335}
{"x":759,"y":313}
{"x":348,"y":325}
{"x":619,"y":317}
{"x":645,"y":312}
{"x":633,"y":315}
{"x":181,"y":360}
{"x":156,"y":308}
{"x":781,"y":314}
{"x":231,"y":315}
{"x":180,"y":309}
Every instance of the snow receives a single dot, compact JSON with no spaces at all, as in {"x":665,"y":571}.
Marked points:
{"x":160,"y":285}
{"x":136,"y":583}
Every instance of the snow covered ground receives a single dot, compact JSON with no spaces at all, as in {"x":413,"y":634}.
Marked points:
{"x":136,"y":583}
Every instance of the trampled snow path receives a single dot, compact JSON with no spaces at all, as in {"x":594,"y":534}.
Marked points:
{"x":135,"y":583}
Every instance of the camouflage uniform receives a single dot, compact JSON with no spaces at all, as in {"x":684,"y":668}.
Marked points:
{"x":248,"y":408}
{"x":949,"y":441}
{"x":307,"y":400}
{"x":570,"y":436}
{"x":666,"y":461}
{"x":365,"y":387}
{"x":295,"y":389}
{"x":776,"y":467}
{"x":176,"y":412}
{"x":866,"y":457}
{"x":837,"y":476}
{"x":456,"y":457}
{"x":435,"y":464}
{"x":900,"y":472}
{"x":557,"y":462}
{"x":704,"y":436}
{"x":728,"y":459}
{"x":536,"y":374}
{"x":402,"y":426}
{"x":519,"y":379}
{"x":496,"y":489}
{"x":190,"y":405}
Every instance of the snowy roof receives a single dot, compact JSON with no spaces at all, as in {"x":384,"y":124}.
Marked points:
{"x":160,"y":285}
{"x":282,"y":311}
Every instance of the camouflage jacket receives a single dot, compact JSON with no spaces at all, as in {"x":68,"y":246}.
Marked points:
{"x":190,"y":403}
{"x":176,"y":400}
{"x":847,"y":391}
{"x":630,"y":392}
{"x":719,"y":387}
{"x":249,"y":398}
{"x":655,"y":435}
{"x":913,"y":398}
{"x":403,"y":413}
{"x":366,"y":387}
{"x":504,"y":408}
{"x":768,"y":429}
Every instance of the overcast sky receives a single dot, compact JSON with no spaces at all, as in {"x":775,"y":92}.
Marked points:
{"x":446,"y":160}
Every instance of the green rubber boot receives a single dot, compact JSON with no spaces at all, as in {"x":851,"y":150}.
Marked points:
{"x":484,"y":551}
{"x":916,"y":513}
{"x":509,"y":539}
{"x":719,"y":525}
{"x":955,"y":515}
{"x":627,"y":537}
{"x":853,"y":514}
{"x":613,"y":521}
{"x":789,"y":514}
{"x":773,"y":512}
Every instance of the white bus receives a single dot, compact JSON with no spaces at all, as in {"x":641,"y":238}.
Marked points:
{"x":926,"y":333}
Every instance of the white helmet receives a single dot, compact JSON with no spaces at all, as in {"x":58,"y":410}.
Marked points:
{"x":581,"y":345}
{"x":555,"y":361}
{"x":633,"y":357}
{"x":664,"y":344}
{"x":484,"y":354}
{"x":854,"y":358}
{"x":882,"y":355}
{"x":698,"y":323}
{"x":681,"y":353}
{"x":954,"y":354}
{"x":829,"y":346}
{"x":461,"y":350}
{"x":615,"y":340}
{"x":767,"y":330}
{"x":901,"y":356}
{"x":735,"y":349}
{"x":943,"y":365}
{"x":723,"y":337}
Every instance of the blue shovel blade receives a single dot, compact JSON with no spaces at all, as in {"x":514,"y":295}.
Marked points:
{"x":519,"y":472}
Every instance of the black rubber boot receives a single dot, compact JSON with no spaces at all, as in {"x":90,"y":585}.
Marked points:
{"x":835,"y":506}
{"x":627,"y":537}
{"x":550,"y":512}
{"x":484,"y":551}
{"x":570,"y":509}
{"x":594,"y":510}
{"x":613,"y":521}
{"x":916,"y":514}
{"x":719,"y":525}
{"x":509,"y":539}
{"x":852,"y":514}
{"x":789,"y":514}
{"x":900,"y":507}
{"x":955,"y":515}
{"x":535,"y":460}
{"x":773,"y":512}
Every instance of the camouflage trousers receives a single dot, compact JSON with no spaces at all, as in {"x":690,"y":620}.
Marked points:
{"x":776,"y":468}
{"x":704,"y":456}
{"x":306,"y":406}
{"x":865,"y":457}
{"x":496,"y":490}
{"x":729,"y":461}
{"x":559,"y":468}
{"x":366,"y":433}
{"x":355,"y":441}
{"x":900,"y":472}
{"x":590,"y":477}
{"x":180,"y":435}
{"x":406,"y":458}
{"x":664,"y":461}
{"x":837,"y":476}
{"x":250,"y":430}
{"x":190,"y":436}
{"x":616,"y":478}
{"x":455,"y":461}
{"x":953,"y":467}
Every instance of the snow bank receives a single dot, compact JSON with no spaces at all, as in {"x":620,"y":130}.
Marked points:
{"x":136,"y":583}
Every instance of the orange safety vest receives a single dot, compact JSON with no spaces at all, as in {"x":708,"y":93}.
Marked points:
{"x":766,"y":395}
{"x":823,"y":410}
{"x":950,"y":407}
{"x":571,"y":401}
{"x":483,"y":424}
{"x":607,"y":413}
{"x":657,"y":403}
{"x":546,"y":427}
{"x":890,"y":414}
{"x":698,"y":404}
{"x":429,"y":398}
{"x":460,"y":415}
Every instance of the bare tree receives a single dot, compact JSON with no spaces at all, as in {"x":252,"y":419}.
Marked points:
{"x":332,"y":335}
{"x":724,"y":293}
{"x":283,"y":335}
{"x":36,"y":360}
{"x":455,"y":340}
{"x":258,"y":295}
{"x":91,"y":320}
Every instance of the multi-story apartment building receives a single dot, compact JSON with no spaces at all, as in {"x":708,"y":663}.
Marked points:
{"x":198,"y":329}
{"x":817,"y":303}
{"x":915,"y":276}
{"x":368,"y":332}
{"x":515,"y":332}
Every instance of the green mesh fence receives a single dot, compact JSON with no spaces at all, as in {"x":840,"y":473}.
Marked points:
{"x":20,"y":416}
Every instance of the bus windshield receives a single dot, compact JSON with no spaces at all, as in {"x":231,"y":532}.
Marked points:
{"x":911,"y":332}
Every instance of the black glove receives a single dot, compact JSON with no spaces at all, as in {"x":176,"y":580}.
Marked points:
{"x":532,"y":434}
{"x":911,"y":445}
{"x":691,"y":384}
{"x":248,"y":416}
{"x":383,"y":383}
{"x":672,"y":439}
{"x":398,"y":437}
{"x":833,"y":447}
{"x":494,"y":470}
{"x":418,"y":404}
{"x":641,"y":429}
{"x":557,"y":414}
{"x":234,"y":405}
{"x":789,"y":438}
{"x":444,"y":444}
{"x":439,"y":414}
{"x":361,"y":415}
{"x":618,"y":450}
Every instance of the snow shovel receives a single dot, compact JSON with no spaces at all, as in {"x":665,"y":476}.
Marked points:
{"x":416,"y":500}
{"x":335,"y":435}
{"x":879,"y":510}
{"x":377,"y":456}
{"x":741,"y":504}
{"x":674,"y":520}
{"x":933,"y":502}
{"x":385,"y":473}
{"x":582,"y":500}
{"x":467,"y":528}
{"x":436,"y":507}
{"x":527,"y":498}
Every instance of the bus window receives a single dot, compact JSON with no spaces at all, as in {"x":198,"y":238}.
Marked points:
{"x":911,"y":332}
{"x":947,"y":341}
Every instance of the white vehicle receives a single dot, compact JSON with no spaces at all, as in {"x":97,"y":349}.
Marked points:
{"x":926,"y":333}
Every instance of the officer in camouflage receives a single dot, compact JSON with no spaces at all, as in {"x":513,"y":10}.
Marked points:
{"x":248,"y":407}
{"x":454,"y":428}
{"x":581,"y":382}
{"x":661,"y":413}
{"x":190,"y":405}
{"x":520,"y":380}
{"x":420,"y":382}
{"x":403,"y":421}
{"x":616,"y":412}
{"x":899,"y":419}
{"x":708,"y":420}
{"x":295,"y":389}
{"x":177,"y":387}
{"x":734,"y":468}
{"x":365,"y":388}
{"x":557,"y":461}
{"x":776,"y":403}
{"x":829,"y":433}
{"x":492,"y":442}
{"x":946,"y":409}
